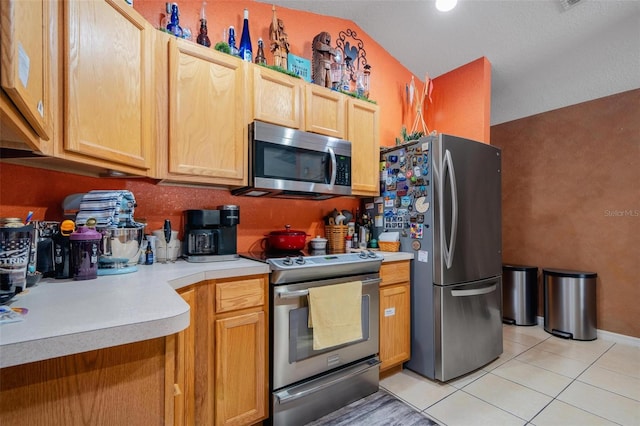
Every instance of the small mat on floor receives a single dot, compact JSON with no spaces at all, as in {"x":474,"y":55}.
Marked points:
{"x":378,"y":409}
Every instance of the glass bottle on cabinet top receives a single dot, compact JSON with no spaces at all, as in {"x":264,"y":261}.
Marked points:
{"x":232,"y":41}
{"x":246,"y":52}
{"x":174,"y":24}
{"x":260,"y":59}
{"x":203,"y":37}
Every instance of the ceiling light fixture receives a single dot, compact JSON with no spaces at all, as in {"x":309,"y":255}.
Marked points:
{"x":445,"y":5}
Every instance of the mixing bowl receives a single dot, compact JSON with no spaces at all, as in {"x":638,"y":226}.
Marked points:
{"x":120,"y":247}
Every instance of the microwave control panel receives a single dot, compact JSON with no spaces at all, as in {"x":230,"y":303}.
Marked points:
{"x":343,"y":170}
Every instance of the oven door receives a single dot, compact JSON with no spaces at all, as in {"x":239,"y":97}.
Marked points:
{"x":293,"y":356}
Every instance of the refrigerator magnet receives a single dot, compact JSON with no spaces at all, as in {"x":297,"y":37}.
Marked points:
{"x":421,"y":205}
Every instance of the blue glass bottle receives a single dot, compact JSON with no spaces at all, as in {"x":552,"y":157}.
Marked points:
{"x":174,"y":24}
{"x":232,"y":41}
{"x":246,"y":52}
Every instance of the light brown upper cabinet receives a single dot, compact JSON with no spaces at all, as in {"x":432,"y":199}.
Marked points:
{"x":108,"y":78}
{"x":363,"y":130}
{"x":207,"y":133}
{"x":277,"y":98}
{"x":325,"y":111}
{"x":25,"y":60}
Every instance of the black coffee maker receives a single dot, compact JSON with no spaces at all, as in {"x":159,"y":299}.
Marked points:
{"x":211,"y":235}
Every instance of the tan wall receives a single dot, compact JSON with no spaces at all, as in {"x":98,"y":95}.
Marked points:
{"x":571,"y":199}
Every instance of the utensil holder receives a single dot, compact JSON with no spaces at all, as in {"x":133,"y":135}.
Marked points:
{"x":335,"y":235}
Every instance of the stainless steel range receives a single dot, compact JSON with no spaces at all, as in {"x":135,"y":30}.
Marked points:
{"x":307,"y":384}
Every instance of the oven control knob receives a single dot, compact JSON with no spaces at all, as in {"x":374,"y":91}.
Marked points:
{"x":300,"y":260}
{"x":287,"y":261}
{"x":363,"y":255}
{"x":372,"y":254}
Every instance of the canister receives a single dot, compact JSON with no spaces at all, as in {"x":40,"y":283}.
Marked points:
{"x":85,"y":246}
{"x":15,"y":248}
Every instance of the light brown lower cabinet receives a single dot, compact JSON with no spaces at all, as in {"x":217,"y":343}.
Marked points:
{"x":221,"y":358}
{"x":395,"y":314}
{"x":184,"y":391}
{"x":122,"y":385}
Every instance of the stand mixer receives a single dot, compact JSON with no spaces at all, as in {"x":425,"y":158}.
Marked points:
{"x":121,"y":234}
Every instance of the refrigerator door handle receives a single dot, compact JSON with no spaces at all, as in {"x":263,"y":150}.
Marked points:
{"x":449,"y":250}
{"x":474,"y":292}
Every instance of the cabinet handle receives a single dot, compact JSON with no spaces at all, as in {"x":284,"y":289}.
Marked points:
{"x":176,"y":389}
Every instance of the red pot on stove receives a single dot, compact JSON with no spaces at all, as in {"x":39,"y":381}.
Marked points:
{"x":286,"y":239}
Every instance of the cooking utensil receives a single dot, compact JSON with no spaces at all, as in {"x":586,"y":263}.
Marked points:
{"x":286,"y":239}
{"x":347,"y":216}
{"x":167,"y":231}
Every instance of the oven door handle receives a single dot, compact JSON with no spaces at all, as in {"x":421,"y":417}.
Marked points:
{"x":311,"y":388}
{"x":294,"y":294}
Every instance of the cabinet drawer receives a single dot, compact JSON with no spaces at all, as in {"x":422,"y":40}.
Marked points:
{"x":395,"y":272}
{"x":239,"y":294}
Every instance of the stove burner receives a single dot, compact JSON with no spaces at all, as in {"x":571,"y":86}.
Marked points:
{"x":300,"y":267}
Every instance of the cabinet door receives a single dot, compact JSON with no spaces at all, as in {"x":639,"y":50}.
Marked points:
{"x":206,"y":124}
{"x":241,"y":385}
{"x":25,"y":60}
{"x":395,"y":320}
{"x":324,"y":111}
{"x":277,"y":98}
{"x":185,"y":368}
{"x":363,"y":130}
{"x":108,"y":82}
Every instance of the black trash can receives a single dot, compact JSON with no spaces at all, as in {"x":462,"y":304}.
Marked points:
{"x":570,"y":303}
{"x":520,"y":294}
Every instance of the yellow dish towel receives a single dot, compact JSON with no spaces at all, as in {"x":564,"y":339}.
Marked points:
{"x":335,"y":314}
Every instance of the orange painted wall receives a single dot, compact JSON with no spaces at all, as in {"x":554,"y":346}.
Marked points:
{"x":462,"y":102}
{"x":26,"y":188}
{"x":42,"y":191}
{"x":388,"y":76}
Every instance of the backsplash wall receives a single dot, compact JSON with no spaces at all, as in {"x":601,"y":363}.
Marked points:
{"x":24,"y":189}
{"x":571,"y":199}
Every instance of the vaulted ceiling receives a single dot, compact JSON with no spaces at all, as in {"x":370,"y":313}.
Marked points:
{"x":544,"y":55}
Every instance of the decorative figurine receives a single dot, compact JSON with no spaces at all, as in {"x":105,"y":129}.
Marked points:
{"x":323,"y":55}
{"x":279,"y":41}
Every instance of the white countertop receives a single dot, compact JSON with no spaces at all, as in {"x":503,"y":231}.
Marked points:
{"x":395,"y":256}
{"x":67,"y":317}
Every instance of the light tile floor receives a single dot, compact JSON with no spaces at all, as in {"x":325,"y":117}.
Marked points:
{"x":539,"y":380}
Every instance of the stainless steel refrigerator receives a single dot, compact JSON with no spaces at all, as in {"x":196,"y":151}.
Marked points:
{"x":442,"y":194}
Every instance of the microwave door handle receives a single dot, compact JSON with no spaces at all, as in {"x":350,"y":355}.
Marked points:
{"x":334,"y":166}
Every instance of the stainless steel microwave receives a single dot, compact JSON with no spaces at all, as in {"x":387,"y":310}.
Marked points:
{"x":289,"y":163}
